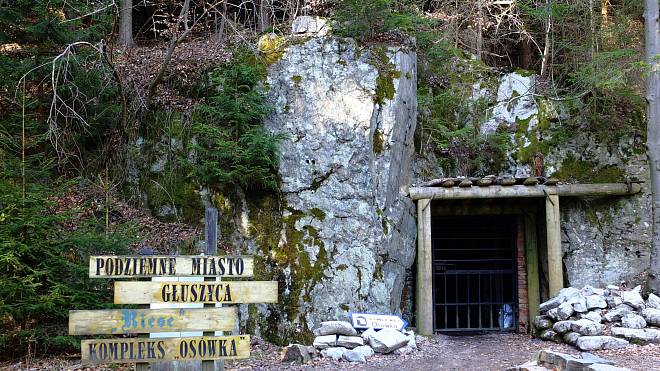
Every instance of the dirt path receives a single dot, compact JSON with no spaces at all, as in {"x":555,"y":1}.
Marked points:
{"x":478,"y":352}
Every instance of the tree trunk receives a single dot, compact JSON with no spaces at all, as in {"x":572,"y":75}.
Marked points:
{"x":264,"y":15}
{"x":653,"y":132}
{"x":546,"y":47}
{"x":126,"y":23}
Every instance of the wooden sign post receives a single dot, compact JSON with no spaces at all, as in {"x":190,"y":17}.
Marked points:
{"x":210,"y":292}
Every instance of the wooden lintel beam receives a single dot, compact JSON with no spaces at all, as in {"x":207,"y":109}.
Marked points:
{"x":497,"y":191}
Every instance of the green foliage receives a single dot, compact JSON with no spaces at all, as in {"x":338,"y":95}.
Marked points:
{"x":44,"y":271}
{"x":232,"y":145}
{"x":362,"y":19}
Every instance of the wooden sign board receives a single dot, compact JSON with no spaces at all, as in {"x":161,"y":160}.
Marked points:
{"x":166,"y":266}
{"x":129,"y":350}
{"x":137,"y":292}
{"x":135,"y":321}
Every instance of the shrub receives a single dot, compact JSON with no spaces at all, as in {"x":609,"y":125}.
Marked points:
{"x":44,"y":272}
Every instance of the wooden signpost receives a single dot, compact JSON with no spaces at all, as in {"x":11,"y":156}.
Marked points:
{"x":165,"y":349}
{"x":146,"y":292}
{"x":137,"y":321}
{"x":167,"y":266}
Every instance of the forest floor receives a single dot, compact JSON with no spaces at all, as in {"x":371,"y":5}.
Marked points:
{"x":476,"y":352}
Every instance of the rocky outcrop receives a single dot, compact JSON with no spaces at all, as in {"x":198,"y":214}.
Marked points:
{"x":342,"y":234}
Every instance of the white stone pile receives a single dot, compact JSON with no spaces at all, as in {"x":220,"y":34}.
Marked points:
{"x":593,"y":319}
{"x":338,"y":340}
{"x":556,"y":361}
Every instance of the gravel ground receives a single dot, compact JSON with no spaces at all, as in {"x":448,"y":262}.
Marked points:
{"x":476,"y":352}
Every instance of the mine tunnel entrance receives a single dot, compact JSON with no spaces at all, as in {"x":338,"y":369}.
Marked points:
{"x":475,"y":273}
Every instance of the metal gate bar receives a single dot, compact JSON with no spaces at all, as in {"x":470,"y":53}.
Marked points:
{"x":474,"y":276}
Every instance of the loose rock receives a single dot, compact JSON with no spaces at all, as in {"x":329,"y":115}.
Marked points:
{"x":365,"y":350}
{"x":633,"y":298}
{"x":596,"y":359}
{"x":616,"y":314}
{"x":632,"y":320}
{"x":562,"y":327}
{"x":596,"y":301}
{"x":540,"y":323}
{"x":593,"y":316}
{"x":564,"y":311}
{"x":353,"y":356}
{"x":335,"y":328}
{"x":653,"y":301}
{"x":652,"y":316}
{"x":550,"y":335}
{"x":325,"y":341}
{"x":388,"y":340}
{"x":367,"y":334}
{"x":600,"y":342}
{"x":587,"y":327}
{"x":571,"y":338}
{"x":637,"y":335}
{"x":335,"y":353}
{"x":349,"y":342}
{"x":297,"y":353}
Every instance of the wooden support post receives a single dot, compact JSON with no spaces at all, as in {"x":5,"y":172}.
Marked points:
{"x":211,"y":234}
{"x":555,"y":274}
{"x":532,"y":255}
{"x":424,"y":292}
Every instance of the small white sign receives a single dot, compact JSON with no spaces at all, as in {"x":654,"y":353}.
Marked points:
{"x":377,"y":321}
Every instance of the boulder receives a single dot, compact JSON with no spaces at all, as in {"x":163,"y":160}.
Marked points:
{"x":632,"y":320}
{"x":325,"y":341}
{"x":593,"y":316}
{"x":555,"y":360}
{"x":540,"y":323}
{"x":602,"y":367}
{"x":354,"y":356}
{"x":613,"y":301}
{"x":652,"y":316}
{"x":528,"y":366}
{"x":580,"y":306}
{"x":595,"y":359}
{"x":334,"y":353}
{"x":551,"y":304}
{"x":550,"y":335}
{"x":571,"y":338}
{"x":564,"y":311}
{"x":600,"y":342}
{"x":616,"y":314}
{"x":297,"y":353}
{"x":596,"y":301}
{"x":366,"y":351}
{"x":553,"y":314}
{"x":565,"y":294}
{"x":349,"y":342}
{"x":587,"y":327}
{"x":562,"y":327}
{"x":653,"y":301}
{"x":388,"y":340}
{"x":637,"y":335}
{"x":633,"y":298}
{"x":367,"y":334}
{"x":335,"y":328}
{"x":411,"y":346}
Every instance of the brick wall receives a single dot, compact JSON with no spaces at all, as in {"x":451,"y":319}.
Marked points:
{"x":521,"y":263}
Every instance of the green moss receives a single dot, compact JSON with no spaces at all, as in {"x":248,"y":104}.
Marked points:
{"x":386,"y":74}
{"x":525,"y":73}
{"x":378,"y":271}
{"x":296,"y":79}
{"x":573,"y":170}
{"x":342,"y":267}
{"x":342,"y":62}
{"x":384,"y":225}
{"x":267,"y":223}
{"x":271,"y":47}
{"x":345,"y":307}
{"x":378,"y":142}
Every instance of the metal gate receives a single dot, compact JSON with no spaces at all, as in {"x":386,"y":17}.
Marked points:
{"x":474,"y":273}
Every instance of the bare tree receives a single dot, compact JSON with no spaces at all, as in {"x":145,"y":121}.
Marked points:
{"x":653,"y":132}
{"x":126,"y":23}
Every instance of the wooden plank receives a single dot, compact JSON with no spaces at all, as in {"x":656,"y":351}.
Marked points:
{"x":513,"y":191}
{"x":532,"y":255}
{"x":424,"y":269}
{"x":555,"y":269}
{"x":136,"y":321}
{"x":131,"y":350}
{"x":133,"y":292}
{"x":168,"y":266}
{"x":211,"y":240}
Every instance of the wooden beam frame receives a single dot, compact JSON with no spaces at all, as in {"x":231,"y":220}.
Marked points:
{"x":497,"y":191}
{"x":424,"y":293}
{"x":555,"y":268}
